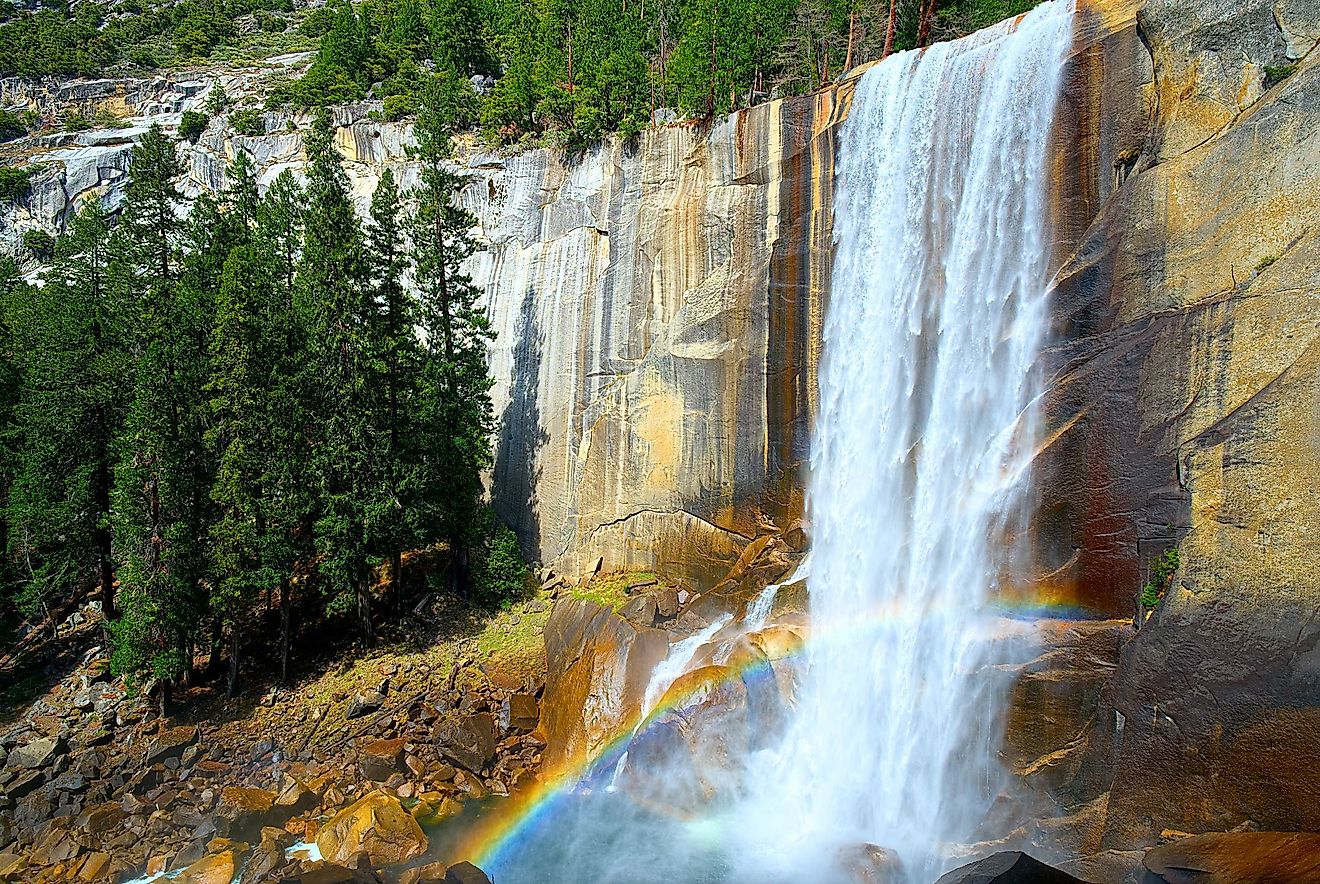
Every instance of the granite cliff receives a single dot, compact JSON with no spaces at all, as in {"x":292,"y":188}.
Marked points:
{"x":658,"y":306}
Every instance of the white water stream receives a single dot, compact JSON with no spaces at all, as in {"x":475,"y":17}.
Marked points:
{"x":927,"y":385}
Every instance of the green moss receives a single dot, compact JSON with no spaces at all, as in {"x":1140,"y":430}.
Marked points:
{"x":1276,"y":74}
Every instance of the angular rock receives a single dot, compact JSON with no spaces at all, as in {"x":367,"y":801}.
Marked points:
{"x":244,"y":810}
{"x":1008,"y":867}
{"x":640,"y":610}
{"x":217,"y":868}
{"x":171,"y":744}
{"x":377,"y":824}
{"x":520,"y":713}
{"x":380,"y":759}
{"x":467,"y":740}
{"x":101,"y":819}
{"x":37,"y":754}
{"x":465,"y":873}
{"x":363,"y":705}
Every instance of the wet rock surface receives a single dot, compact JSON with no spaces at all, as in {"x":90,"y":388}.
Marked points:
{"x":1235,"y":858}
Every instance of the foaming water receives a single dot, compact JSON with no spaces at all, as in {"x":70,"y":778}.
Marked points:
{"x":936,"y":316}
{"x":927,"y":387}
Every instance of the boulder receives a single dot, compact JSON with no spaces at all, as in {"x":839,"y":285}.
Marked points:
{"x":427,"y":874}
{"x":520,"y":713}
{"x":465,"y":873}
{"x":1235,"y":858}
{"x":364,"y":704}
{"x":377,"y":824}
{"x":380,"y":759}
{"x":640,"y":610}
{"x":1008,"y":867}
{"x":101,"y":819}
{"x":244,"y":810}
{"x":37,"y":754}
{"x":216,"y":868}
{"x":598,"y":667}
{"x":871,"y":864}
{"x":466,"y":740}
{"x":171,"y":744}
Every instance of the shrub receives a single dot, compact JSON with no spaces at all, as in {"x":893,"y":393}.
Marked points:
{"x":318,"y":22}
{"x":247,"y":121}
{"x":12,"y":125}
{"x":500,"y":573}
{"x":1276,"y":74}
{"x":39,"y":242}
{"x":399,"y":106}
{"x":1265,"y":262}
{"x":192,"y":125}
{"x":217,"y":101}
{"x":1161,"y":572}
{"x":15,"y":184}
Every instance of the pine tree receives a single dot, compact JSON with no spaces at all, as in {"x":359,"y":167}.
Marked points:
{"x":394,"y":355}
{"x":454,"y":405}
{"x":237,"y":435}
{"x":289,"y":405}
{"x":66,"y":420}
{"x":158,"y":492}
{"x":333,"y":285}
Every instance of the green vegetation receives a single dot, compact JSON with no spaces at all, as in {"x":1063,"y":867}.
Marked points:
{"x":91,"y":37}
{"x":247,"y":121}
{"x":39,"y":242}
{"x":206,"y":418}
{"x":15,"y":183}
{"x":1276,"y":74}
{"x":1161,"y":572}
{"x":1267,"y":261}
{"x":611,"y":590}
{"x":15,"y":125}
{"x":550,"y":70}
{"x":192,"y":125}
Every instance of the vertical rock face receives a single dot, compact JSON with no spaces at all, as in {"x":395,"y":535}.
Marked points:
{"x":1186,"y":380}
{"x":658,"y":306}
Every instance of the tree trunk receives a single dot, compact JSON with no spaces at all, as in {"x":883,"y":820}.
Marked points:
{"x":460,"y":575}
{"x":104,"y":550}
{"x":927,"y":19}
{"x":286,"y":616}
{"x":852,"y":38}
{"x":235,"y":647}
{"x":396,"y":577}
{"x":364,"y":611}
{"x":889,"y":30}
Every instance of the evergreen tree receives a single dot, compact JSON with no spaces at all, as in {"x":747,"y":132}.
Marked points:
{"x":237,"y":433}
{"x":289,"y":405}
{"x":394,"y":360}
{"x":66,"y":420}
{"x":333,"y":286}
{"x":454,"y":405}
{"x":158,"y":489}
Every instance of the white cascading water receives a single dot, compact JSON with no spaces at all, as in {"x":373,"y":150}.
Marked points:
{"x":937,"y":312}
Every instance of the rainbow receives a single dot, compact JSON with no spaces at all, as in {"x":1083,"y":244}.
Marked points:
{"x":492,"y":839}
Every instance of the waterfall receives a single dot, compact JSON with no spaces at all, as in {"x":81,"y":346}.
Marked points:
{"x":928,"y":377}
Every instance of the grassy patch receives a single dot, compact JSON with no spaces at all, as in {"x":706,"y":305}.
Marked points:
{"x":610,"y":590}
